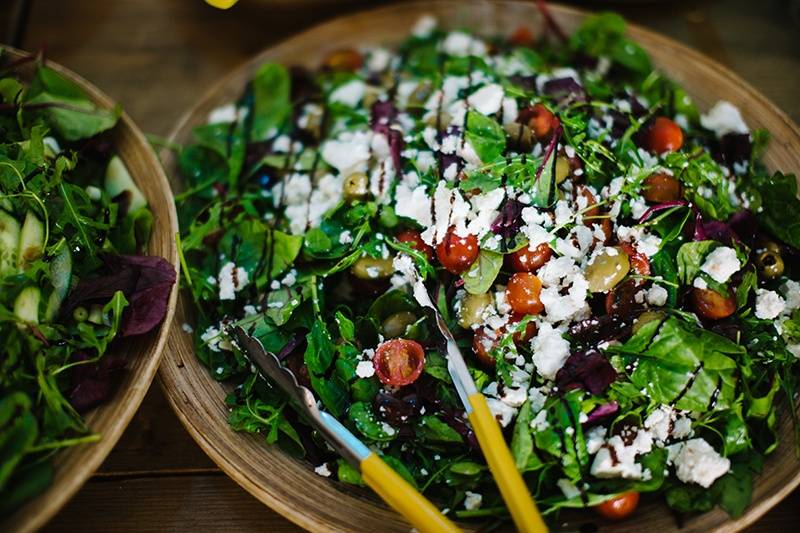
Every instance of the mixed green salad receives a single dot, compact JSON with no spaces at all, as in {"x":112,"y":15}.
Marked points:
{"x":73,"y":279}
{"x":616,"y":264}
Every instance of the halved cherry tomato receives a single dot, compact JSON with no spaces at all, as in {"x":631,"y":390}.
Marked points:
{"x":664,"y":136}
{"x":414,"y":239}
{"x":457,"y":253}
{"x":710,"y":304}
{"x":522,"y":36}
{"x":592,"y":211}
{"x":639,"y":262}
{"x":541,"y":121}
{"x":483,"y":343}
{"x":661,"y":187}
{"x":522,"y":293}
{"x":346,"y":59}
{"x":529,"y":260}
{"x":399,"y":362}
{"x":620,"y":507}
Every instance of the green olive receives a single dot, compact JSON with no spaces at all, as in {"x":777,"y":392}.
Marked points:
{"x":444,"y":120}
{"x":396,"y":325}
{"x":607,"y":269}
{"x":473,"y":308}
{"x":646,"y":318}
{"x":420,"y":94}
{"x":356,"y":187}
{"x":773,"y":246}
{"x":562,"y":169}
{"x":770,"y":263}
{"x":372,"y":268}
{"x":80,"y":314}
{"x":520,"y":137}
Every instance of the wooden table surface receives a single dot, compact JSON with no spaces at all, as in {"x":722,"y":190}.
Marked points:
{"x":156,"y":57}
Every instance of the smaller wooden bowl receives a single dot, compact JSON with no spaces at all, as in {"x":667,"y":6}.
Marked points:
{"x":290,"y":486}
{"x":74,"y":465}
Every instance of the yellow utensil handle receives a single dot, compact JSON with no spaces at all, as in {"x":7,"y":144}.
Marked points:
{"x":221,"y":4}
{"x":513,"y":489}
{"x":403,"y":498}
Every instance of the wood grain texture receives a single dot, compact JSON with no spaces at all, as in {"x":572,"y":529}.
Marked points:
{"x":289,"y":486}
{"x":74,"y":465}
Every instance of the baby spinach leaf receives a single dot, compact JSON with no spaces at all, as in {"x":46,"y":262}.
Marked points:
{"x":779,"y":206}
{"x":481,"y":275}
{"x":271,"y":104}
{"x":485,"y":135}
{"x":366,"y":423}
{"x":434,"y":429}
{"x":690,"y":258}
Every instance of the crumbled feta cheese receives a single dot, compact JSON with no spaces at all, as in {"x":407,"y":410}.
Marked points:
{"x":231,"y":280}
{"x":791,"y":294}
{"x":503,"y":412}
{"x":52,"y":144}
{"x":223,"y":113}
{"x":487,"y":100}
{"x":699,"y":283}
{"x":657,"y":296}
{"x":550,"y":350}
{"x":323,"y":470}
{"x":449,"y":209}
{"x":187,"y":328}
{"x":595,"y":438}
{"x":539,"y":422}
{"x":568,"y":488}
{"x":696,"y":461}
{"x":459,"y":43}
{"x":721,"y":263}
{"x":379,"y":59}
{"x":348,"y":153}
{"x":622,"y":461}
{"x":769,"y":304}
{"x":724,"y":118}
{"x":472,"y":500}
{"x":424,"y":26}
{"x":365,"y":369}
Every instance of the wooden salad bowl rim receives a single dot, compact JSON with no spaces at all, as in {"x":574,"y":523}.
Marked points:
{"x":74,"y":465}
{"x":288,"y":485}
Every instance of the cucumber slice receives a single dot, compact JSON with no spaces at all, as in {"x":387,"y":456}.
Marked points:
{"x":9,"y":243}
{"x":118,"y":180}
{"x":61,"y":275}
{"x":26,"y":306}
{"x":31,"y":241}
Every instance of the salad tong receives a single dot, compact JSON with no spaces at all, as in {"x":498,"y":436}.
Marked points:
{"x":515,"y":493}
{"x":380,"y":477}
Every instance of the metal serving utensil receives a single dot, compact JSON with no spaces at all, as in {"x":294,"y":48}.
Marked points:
{"x":379,"y":476}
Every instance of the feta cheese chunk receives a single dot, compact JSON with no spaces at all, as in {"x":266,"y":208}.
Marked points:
{"x":724,"y":118}
{"x":769,"y":304}
{"x":550,"y":350}
{"x":472,"y":501}
{"x":231,"y":280}
{"x":349,"y":94}
{"x":721,"y":264}
{"x":696,"y":461}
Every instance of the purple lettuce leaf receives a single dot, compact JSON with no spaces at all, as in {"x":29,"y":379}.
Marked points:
{"x":588,"y":370}
{"x":146,"y":282}
{"x":93,"y":383}
{"x":509,"y":221}
{"x":601,"y":413}
{"x":561,"y":87}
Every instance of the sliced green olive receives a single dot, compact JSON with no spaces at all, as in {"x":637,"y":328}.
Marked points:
{"x":562,"y":169}
{"x":473,"y":308}
{"x":396,"y":324}
{"x":770,"y":264}
{"x":520,"y":137}
{"x":80,"y":314}
{"x":607,"y":269}
{"x":646,"y":318}
{"x":372,"y":268}
{"x":355,"y":187}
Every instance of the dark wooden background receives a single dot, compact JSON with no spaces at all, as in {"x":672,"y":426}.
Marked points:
{"x":156,"y":57}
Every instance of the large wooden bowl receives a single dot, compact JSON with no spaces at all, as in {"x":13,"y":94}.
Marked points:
{"x":290,"y":486}
{"x":143,"y":354}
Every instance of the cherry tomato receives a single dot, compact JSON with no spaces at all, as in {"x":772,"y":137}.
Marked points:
{"x":664,"y":136}
{"x":414,"y":239}
{"x":639,"y":262}
{"x":482,"y":343}
{"x":661,"y":187}
{"x":522,"y":36}
{"x":346,"y":59}
{"x":710,"y":304}
{"x":542,"y":121}
{"x":455,"y":253}
{"x":530,"y":260}
{"x":592,"y":211}
{"x":399,"y":362}
{"x":522,"y":293}
{"x":620,"y":507}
